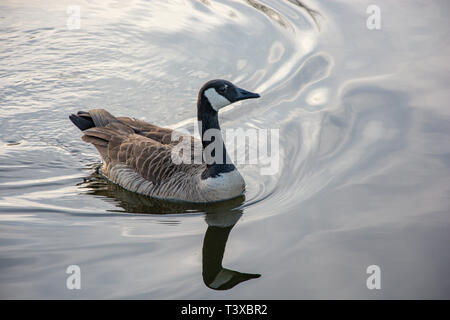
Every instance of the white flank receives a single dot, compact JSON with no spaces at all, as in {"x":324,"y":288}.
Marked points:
{"x":216,"y":100}
{"x":193,"y":189}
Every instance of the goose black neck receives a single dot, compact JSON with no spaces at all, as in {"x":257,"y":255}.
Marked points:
{"x":209,"y":120}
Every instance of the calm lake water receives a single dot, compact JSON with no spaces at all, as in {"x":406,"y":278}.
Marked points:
{"x":364,"y":167}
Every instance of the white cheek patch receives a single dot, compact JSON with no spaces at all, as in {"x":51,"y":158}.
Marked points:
{"x":216,"y":100}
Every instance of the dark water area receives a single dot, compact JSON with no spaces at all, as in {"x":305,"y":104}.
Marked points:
{"x":364,"y":127}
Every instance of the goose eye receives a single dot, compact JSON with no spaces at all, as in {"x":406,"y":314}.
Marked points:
{"x":222,"y":90}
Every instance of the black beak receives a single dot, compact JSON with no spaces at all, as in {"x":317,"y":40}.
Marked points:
{"x":243,"y":94}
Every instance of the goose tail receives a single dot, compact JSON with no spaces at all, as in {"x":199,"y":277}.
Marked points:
{"x":94,"y":118}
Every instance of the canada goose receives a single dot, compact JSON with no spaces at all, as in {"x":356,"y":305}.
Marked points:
{"x":138,"y":156}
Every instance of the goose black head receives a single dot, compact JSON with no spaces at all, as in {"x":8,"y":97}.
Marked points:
{"x":220,"y":93}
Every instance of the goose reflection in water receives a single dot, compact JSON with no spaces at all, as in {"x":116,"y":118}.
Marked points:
{"x":214,"y":275}
{"x":221,"y":217}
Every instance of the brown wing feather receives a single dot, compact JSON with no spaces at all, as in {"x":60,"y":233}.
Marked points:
{"x":163,"y":136}
{"x":151,"y":159}
{"x":141,"y":146}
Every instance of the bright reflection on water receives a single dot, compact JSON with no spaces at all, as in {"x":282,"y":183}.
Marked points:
{"x":364,"y":128}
